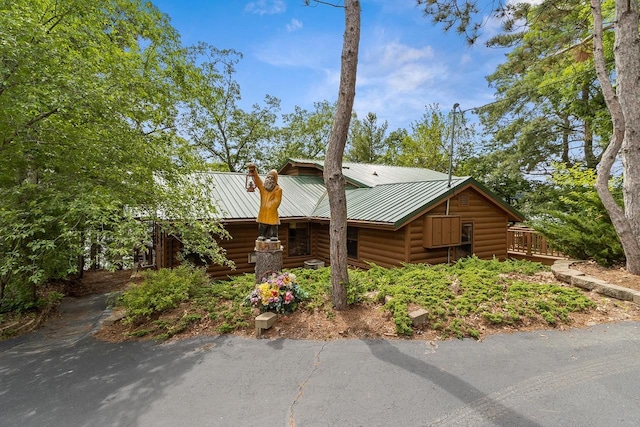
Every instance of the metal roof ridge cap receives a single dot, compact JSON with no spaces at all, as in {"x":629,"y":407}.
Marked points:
{"x":461,"y":180}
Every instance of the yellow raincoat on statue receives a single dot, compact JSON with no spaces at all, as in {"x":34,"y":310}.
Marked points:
{"x":269,"y":201}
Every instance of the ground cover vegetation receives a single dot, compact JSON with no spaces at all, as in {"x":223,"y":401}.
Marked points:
{"x":458,"y":298}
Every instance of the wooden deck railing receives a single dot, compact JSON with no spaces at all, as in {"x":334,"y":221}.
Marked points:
{"x":527,"y":241}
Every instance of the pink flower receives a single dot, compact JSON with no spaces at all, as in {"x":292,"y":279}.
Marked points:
{"x":288,"y":297}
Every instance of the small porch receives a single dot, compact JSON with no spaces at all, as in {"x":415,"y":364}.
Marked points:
{"x":526,"y":243}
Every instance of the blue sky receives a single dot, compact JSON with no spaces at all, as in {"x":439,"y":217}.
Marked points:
{"x":292,"y":52}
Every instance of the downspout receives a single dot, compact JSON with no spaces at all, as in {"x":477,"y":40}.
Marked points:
{"x":453,"y":128}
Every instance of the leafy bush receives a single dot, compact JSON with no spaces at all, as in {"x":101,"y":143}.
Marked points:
{"x":162,"y":290}
{"x":317,"y":283}
{"x":19,"y":298}
{"x":574,"y":220}
{"x":455,"y":296}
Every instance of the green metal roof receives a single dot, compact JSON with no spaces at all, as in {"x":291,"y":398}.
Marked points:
{"x":371,"y":175}
{"x":391,"y":197}
{"x":300,"y":195}
{"x":393,"y":204}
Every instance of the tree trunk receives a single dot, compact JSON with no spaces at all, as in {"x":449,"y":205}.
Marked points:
{"x":4,"y":280}
{"x":333,"y":177}
{"x":624,"y":107}
{"x":589,"y":158}
{"x":566,"y":126}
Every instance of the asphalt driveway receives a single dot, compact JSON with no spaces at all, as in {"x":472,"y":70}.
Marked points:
{"x":588,"y":377}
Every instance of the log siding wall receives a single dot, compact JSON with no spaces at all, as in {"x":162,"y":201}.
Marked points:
{"x":489,"y":229}
{"x":386,"y":248}
{"x":243,"y":242}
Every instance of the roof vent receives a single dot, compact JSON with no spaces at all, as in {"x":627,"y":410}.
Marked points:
{"x":375,"y":173}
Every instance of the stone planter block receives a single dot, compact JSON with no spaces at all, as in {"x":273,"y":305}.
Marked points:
{"x":264,"y":321}
{"x":418,"y":317}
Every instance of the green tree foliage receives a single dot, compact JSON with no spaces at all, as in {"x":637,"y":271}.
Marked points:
{"x":393,"y":145}
{"x":367,"y":140}
{"x":458,"y":15}
{"x":574,"y":220}
{"x":549,"y":105}
{"x":501,"y":176}
{"x":305,"y":133}
{"x":214,"y":121}
{"x":428,"y":143}
{"x":88,"y":95}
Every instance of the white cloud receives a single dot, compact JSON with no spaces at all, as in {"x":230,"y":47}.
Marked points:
{"x":397,"y":81}
{"x":465,"y":59}
{"x":397,"y":68}
{"x":294,"y":25}
{"x":266,"y":7}
{"x":395,"y":53}
{"x":326,"y":88}
{"x":286,"y":50}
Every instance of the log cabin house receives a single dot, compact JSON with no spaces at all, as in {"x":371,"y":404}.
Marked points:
{"x":395,"y":215}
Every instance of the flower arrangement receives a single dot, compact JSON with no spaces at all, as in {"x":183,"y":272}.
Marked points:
{"x":278,"y":293}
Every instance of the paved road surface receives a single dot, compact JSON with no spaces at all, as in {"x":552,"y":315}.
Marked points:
{"x":587,"y":377}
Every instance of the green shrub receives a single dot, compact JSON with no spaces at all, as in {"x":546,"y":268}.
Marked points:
{"x":473,"y":287}
{"x":574,"y":220}
{"x":398,"y":308}
{"x":454,"y":296}
{"x":357,"y":287}
{"x":317,"y":283}
{"x":162,"y":290}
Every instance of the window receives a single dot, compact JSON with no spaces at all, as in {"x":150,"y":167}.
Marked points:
{"x":467,"y":233}
{"x":299,"y":240}
{"x":352,"y":242}
{"x":466,"y":247}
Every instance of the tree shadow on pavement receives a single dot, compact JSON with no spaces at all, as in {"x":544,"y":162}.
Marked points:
{"x":483,"y":407}
{"x":92,"y":382}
